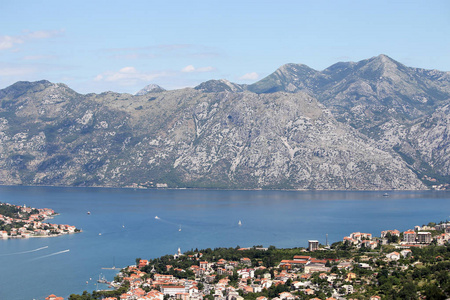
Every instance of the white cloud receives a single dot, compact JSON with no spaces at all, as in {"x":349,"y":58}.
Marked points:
{"x":7,"y":41}
{"x":128,"y":76}
{"x":188,"y":69}
{"x":249,"y":76}
{"x":192,"y":69}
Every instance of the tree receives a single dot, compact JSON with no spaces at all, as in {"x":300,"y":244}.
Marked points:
{"x":433,"y":292}
{"x":409,"y":291}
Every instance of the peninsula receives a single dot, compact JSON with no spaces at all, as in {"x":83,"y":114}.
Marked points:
{"x":24,"y":222}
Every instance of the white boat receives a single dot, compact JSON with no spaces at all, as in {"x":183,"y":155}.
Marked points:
{"x":240,"y":223}
{"x":102,"y":279}
{"x":179,"y":229}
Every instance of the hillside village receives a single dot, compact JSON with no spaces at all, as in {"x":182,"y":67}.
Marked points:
{"x":413,"y":264}
{"x":25,"y":222}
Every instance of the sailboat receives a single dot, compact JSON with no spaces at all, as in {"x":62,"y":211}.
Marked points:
{"x":240,"y":223}
{"x":101,"y":279}
{"x":179,"y":229}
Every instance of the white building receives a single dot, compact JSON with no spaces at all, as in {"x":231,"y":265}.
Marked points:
{"x":172,"y":290}
{"x":424,"y":237}
{"x":313,"y":245}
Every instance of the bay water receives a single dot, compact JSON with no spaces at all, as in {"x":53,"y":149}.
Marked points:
{"x":125,"y":224}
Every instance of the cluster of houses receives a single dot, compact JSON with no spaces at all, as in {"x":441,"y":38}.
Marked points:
{"x":183,"y":289}
{"x":299,"y":274}
{"x":359,"y":239}
{"x":419,"y":236}
{"x":29,"y":223}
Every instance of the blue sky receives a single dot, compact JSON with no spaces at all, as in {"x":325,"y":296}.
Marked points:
{"x":96,"y":46}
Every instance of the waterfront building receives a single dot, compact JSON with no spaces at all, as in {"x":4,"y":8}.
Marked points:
{"x":313,"y":245}
{"x":409,"y":236}
{"x":424,"y":237}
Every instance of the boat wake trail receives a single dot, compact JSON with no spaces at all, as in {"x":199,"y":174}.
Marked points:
{"x":171,"y":223}
{"x":24,"y":252}
{"x":48,"y":255}
{"x":165,"y":221}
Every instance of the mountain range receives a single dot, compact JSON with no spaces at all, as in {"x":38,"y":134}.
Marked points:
{"x":370,"y":125}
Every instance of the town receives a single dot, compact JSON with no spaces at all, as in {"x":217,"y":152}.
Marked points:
{"x":25,"y":222}
{"x":413,"y":264}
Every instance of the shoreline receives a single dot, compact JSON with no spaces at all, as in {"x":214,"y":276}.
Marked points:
{"x":39,"y":236}
{"x":224,"y":189}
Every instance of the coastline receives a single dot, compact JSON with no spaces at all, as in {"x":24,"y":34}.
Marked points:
{"x":40,"y":236}
{"x":224,"y":189}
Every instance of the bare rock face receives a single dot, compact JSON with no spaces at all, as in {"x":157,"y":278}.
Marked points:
{"x":374,"y":124}
{"x":280,"y":141}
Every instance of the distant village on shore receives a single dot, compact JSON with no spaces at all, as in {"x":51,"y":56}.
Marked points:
{"x":25,"y":222}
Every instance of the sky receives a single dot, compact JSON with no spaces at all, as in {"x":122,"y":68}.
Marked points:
{"x":122,"y":46}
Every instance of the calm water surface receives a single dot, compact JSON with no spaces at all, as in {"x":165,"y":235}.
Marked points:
{"x":37,"y":267}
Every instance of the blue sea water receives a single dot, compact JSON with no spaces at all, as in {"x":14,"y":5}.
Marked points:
{"x":122,"y":227}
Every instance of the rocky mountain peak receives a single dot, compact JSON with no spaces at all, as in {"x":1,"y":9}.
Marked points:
{"x":151,"y":88}
{"x":383,"y":64}
{"x":21,"y":87}
{"x":221,"y":85}
{"x":292,"y":69}
{"x":289,"y":78}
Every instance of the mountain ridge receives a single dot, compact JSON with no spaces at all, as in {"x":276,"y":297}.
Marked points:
{"x":340,"y":128}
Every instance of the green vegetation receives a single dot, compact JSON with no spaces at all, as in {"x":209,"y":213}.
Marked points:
{"x":13,"y":211}
{"x":97,"y":295}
